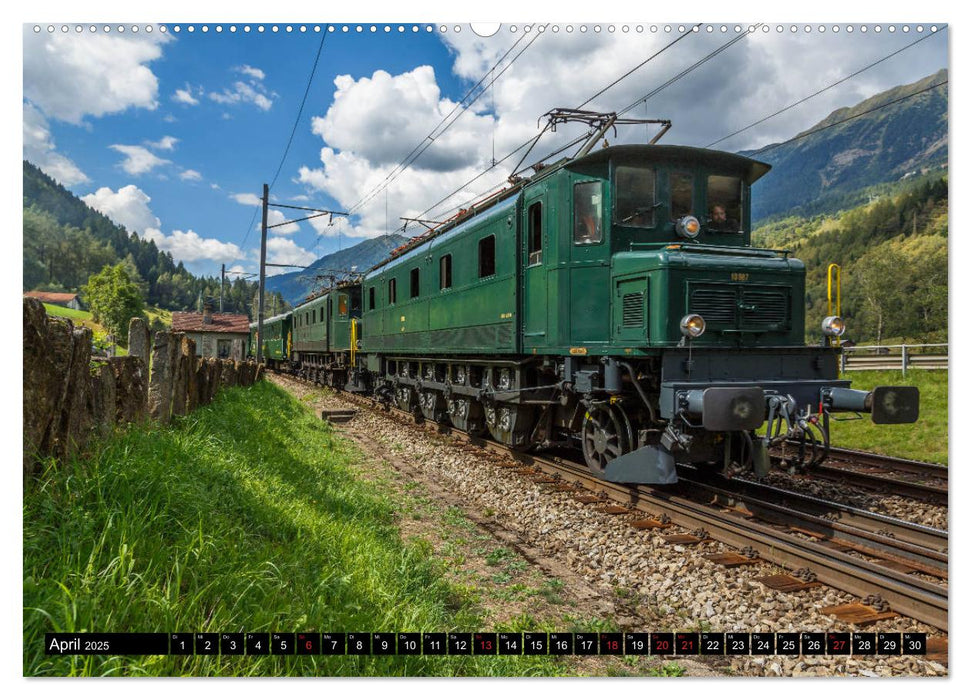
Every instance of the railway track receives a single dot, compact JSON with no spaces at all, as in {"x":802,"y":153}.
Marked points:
{"x":891,"y":564}
{"x":926,"y":481}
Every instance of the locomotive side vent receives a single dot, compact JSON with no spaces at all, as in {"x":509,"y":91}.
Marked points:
{"x":633,"y":310}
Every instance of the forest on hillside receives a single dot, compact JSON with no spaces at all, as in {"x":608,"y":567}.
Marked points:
{"x":894,"y":258}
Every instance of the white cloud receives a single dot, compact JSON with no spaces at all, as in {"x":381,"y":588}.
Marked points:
{"x":283,"y":251}
{"x":246,"y":198}
{"x":127,"y":207}
{"x":300,"y":198}
{"x":189,"y":246}
{"x":252,"y":72}
{"x":138,"y":160}
{"x":215,"y":186}
{"x":185,"y":96}
{"x":40,"y":150}
{"x":166,"y":143}
{"x":243,"y":92}
{"x":251,"y":90}
{"x":275,"y":217}
{"x":190,"y":175}
{"x":70,"y":76}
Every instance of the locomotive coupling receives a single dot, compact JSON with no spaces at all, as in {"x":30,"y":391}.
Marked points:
{"x":887,"y":405}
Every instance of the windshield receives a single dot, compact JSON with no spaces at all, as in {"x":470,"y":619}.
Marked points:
{"x":724,"y":204}
{"x":634,"y":197}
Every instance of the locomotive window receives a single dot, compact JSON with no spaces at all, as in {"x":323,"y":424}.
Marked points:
{"x":415,"y":289}
{"x":342,"y":305}
{"x":682,"y":185}
{"x":370,"y":299}
{"x":306,"y":318}
{"x":392,"y":290}
{"x":535,"y":223}
{"x":487,"y":256}
{"x":634,"y":196}
{"x":445,"y":272}
{"x":330,"y":307}
{"x":724,"y":204}
{"x":587,"y":213}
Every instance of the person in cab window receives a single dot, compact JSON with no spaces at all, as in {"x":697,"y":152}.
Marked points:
{"x":719,"y":220}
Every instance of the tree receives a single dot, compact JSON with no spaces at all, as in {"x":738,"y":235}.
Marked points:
{"x":114,"y":299}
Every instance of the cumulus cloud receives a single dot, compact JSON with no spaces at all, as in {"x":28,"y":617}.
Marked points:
{"x":138,"y":160}
{"x":190,"y":174}
{"x":166,"y":143}
{"x":189,"y":246}
{"x":283,"y":251}
{"x":185,"y":95}
{"x":275,"y":217}
{"x":251,"y":90}
{"x":40,"y":150}
{"x":129,"y":207}
{"x":70,"y":76}
{"x":252,"y":72}
{"x":246,"y":198}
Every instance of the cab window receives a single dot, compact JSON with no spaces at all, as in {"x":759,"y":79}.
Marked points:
{"x":342,"y":305}
{"x":724,"y":204}
{"x":587,"y":213}
{"x":682,"y":186}
{"x":634,"y":196}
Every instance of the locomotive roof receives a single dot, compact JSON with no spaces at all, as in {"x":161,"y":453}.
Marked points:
{"x":271,"y":320}
{"x":751,"y":169}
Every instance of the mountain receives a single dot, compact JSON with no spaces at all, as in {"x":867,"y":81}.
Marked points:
{"x":828,"y":166}
{"x":295,"y":286}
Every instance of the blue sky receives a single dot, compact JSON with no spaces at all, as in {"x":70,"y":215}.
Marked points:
{"x":173,"y":134}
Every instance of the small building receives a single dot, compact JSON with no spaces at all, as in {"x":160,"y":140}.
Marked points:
{"x":68,"y":299}
{"x":225,"y":336}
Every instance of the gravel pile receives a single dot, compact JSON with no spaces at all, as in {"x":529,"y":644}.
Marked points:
{"x":670,"y":587}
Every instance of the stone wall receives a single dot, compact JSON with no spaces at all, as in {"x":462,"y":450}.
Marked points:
{"x":70,"y":397}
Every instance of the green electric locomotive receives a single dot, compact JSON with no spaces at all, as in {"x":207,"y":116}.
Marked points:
{"x":612,"y":300}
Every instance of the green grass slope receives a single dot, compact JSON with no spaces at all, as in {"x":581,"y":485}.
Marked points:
{"x":244,"y":516}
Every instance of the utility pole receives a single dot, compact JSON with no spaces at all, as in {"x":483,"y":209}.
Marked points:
{"x":222,"y":283}
{"x":259,"y":313}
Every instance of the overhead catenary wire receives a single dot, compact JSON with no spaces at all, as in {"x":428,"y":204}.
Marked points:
{"x":820,"y":91}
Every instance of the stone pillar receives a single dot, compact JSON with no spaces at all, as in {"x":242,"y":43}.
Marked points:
{"x":139,"y":340}
{"x":102,"y":399}
{"x":131,"y":389}
{"x":185,"y":355}
{"x":160,"y":383}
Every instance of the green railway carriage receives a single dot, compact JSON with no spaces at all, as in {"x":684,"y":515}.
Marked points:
{"x":614,"y":300}
{"x":276,"y":339}
{"x":325,"y":333}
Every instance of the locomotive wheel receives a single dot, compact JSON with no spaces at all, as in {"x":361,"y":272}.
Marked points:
{"x":605,"y":435}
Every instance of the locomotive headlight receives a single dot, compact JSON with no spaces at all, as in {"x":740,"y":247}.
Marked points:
{"x":692,"y":326}
{"x":833,"y":326}
{"x":688,"y":227}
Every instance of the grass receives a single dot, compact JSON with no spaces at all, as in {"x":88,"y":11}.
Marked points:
{"x":924,"y":440}
{"x":232,"y":520}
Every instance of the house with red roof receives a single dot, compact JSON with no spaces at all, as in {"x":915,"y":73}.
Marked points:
{"x":225,"y":336}
{"x":68,"y":299}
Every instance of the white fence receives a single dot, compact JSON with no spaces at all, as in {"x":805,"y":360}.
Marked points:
{"x":894,"y":357}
